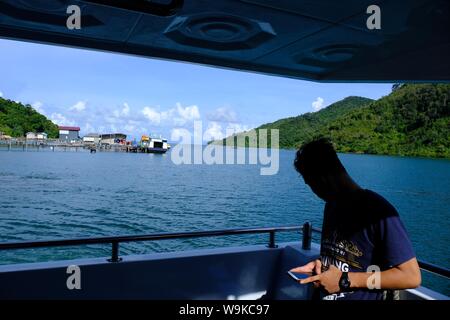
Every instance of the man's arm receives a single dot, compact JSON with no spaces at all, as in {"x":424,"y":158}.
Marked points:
{"x":404,"y":276}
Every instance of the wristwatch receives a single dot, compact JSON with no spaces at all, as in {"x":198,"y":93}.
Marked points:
{"x":344,"y":282}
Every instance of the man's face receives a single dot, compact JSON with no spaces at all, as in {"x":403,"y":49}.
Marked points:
{"x":318,"y":185}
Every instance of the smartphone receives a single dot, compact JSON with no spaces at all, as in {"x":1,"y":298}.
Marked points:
{"x":299,"y":275}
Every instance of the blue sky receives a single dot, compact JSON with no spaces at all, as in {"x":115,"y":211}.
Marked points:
{"x":104,"y":92}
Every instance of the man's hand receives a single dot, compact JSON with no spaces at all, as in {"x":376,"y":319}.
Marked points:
{"x":329,"y":279}
{"x":314,"y":266}
{"x":404,"y":276}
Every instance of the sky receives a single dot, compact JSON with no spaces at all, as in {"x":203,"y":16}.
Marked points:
{"x":107,"y":92}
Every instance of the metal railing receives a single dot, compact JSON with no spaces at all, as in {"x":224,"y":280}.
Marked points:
{"x":116,"y":240}
{"x":440,"y":271}
{"x":306,"y":229}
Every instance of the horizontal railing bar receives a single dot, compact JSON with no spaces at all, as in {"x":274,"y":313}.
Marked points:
{"x":440,"y":271}
{"x":145,"y":237}
{"x":181,"y":235}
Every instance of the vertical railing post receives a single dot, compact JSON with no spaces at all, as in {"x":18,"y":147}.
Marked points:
{"x":307,"y":236}
{"x":115,"y":252}
{"x":272,"y":239}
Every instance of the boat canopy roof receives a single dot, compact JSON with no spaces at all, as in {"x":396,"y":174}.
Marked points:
{"x":320,"y":40}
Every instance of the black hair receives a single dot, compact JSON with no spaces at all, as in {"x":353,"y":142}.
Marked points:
{"x":318,"y":157}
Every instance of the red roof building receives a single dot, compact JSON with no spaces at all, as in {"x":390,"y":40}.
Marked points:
{"x":69,"y":128}
{"x":69,"y":134}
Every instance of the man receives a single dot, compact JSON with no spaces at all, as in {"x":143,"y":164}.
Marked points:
{"x":361,"y":233}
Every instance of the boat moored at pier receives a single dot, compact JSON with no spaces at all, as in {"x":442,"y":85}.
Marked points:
{"x":149,"y":144}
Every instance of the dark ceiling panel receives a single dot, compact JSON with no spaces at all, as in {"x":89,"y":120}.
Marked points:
{"x":410,"y":66}
{"x":325,"y":10}
{"x":324,"y":40}
{"x":326,"y":51}
{"x":217,"y":29}
{"x":402,"y":16}
{"x":98,"y":22}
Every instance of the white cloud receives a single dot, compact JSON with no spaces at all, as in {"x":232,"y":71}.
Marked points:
{"x":124,"y":118}
{"x":152,"y":114}
{"x":132,"y":126}
{"x":79,"y":106}
{"x":59,"y":119}
{"x":317,"y":104}
{"x":122,"y":113}
{"x":129,"y":127}
{"x":177,"y":133}
{"x":167,"y":115}
{"x":188,"y":113}
{"x":237,"y":128}
{"x":38,"y":107}
{"x":126,"y":109}
{"x":1,"y":94}
{"x":214,"y":132}
{"x":156,"y":116}
{"x":223,"y":114}
{"x":111,"y":120}
{"x":88,"y":128}
{"x":178,"y":116}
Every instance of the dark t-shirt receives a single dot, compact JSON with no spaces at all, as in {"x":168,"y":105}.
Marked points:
{"x":362,"y":229}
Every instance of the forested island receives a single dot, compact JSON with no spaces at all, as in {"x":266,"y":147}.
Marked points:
{"x":413,"y":120}
{"x":17,"y":119}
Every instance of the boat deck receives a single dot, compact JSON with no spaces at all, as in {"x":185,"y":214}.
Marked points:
{"x":248,"y":272}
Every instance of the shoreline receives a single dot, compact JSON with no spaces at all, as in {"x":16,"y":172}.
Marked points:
{"x":353,"y":153}
{"x":81,"y":148}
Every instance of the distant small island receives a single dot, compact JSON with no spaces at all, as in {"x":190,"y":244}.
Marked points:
{"x":413,"y":120}
{"x":17,"y":119}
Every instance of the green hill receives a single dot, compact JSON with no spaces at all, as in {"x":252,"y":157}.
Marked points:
{"x":17,"y":119}
{"x":295,"y":130}
{"x":413,"y":120}
{"x":291,"y":136}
